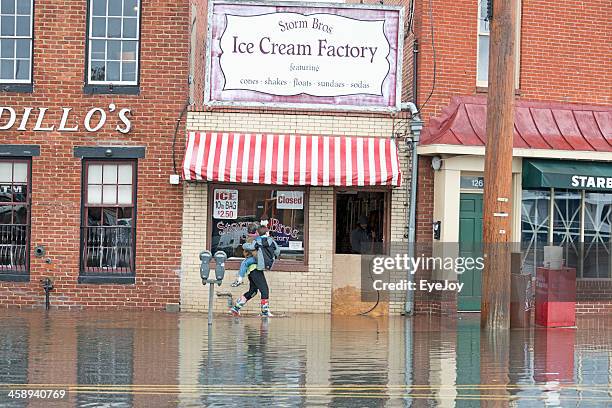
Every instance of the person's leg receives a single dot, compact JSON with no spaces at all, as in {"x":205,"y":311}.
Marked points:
{"x":260,"y":280}
{"x":241,"y":301}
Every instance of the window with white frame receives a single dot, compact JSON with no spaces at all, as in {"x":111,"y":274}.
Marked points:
{"x":482,"y":65}
{"x":113,"y":42}
{"x":108,"y":227}
{"x":16,"y":41}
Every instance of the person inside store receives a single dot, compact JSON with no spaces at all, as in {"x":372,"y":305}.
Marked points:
{"x":361,"y":237}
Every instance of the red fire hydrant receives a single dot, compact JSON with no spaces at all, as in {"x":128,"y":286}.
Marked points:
{"x":555,"y":304}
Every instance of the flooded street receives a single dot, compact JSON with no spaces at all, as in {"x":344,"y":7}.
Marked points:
{"x":128,"y":359}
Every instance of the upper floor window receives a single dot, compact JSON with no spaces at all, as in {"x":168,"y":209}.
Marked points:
{"x":113,"y":42}
{"x":482,"y":68}
{"x":15,"y":41}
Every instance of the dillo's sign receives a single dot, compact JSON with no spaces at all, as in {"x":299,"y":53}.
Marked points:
{"x":308,"y":55}
{"x":37,"y":119}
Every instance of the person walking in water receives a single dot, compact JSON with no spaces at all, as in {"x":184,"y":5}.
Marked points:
{"x":267,"y":252}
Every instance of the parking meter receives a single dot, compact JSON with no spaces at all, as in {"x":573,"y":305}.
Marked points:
{"x":220,"y":258}
{"x":205,"y":257}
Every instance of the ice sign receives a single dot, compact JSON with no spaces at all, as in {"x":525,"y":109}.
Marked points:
{"x":225,"y":204}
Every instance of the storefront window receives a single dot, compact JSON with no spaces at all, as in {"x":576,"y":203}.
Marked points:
{"x":597,"y":231}
{"x":581,"y":223}
{"x":566,"y":224}
{"x":535,"y":220}
{"x":233,"y":208}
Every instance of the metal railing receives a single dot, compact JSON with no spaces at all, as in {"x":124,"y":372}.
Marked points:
{"x":13,"y":248}
{"x":107,"y":250}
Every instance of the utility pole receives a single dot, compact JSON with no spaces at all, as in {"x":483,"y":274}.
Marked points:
{"x":495,"y":308}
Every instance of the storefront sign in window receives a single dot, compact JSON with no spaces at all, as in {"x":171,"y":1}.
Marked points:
{"x":290,"y":200}
{"x":295,"y":245}
{"x":472,"y":182}
{"x":225,"y":204}
{"x":341,"y":56}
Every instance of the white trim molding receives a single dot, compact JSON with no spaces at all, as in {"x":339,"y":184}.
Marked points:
{"x":434,"y":149}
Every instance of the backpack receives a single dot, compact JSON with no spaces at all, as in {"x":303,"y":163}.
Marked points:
{"x":267,"y":248}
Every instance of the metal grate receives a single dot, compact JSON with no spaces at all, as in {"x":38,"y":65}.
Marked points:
{"x":107,"y":250}
{"x":13,"y":248}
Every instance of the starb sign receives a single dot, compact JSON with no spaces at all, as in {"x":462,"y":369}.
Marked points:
{"x":292,"y":55}
{"x":592,"y":182}
{"x":64,"y":120}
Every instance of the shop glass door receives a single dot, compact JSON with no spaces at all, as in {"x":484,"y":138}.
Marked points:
{"x":361,"y":222}
{"x":597,"y":233}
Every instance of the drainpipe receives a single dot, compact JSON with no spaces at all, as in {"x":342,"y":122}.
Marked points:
{"x":47,"y":285}
{"x":415,"y":71}
{"x":416,"y":125}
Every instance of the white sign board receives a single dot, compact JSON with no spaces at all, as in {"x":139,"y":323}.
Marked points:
{"x":225,"y":204}
{"x":279,"y":54}
{"x":295,"y":245}
{"x":290,"y":200}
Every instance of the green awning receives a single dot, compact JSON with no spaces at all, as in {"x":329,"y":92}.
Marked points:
{"x":567,"y":174}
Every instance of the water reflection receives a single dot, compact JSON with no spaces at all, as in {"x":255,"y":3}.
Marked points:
{"x":105,"y":356}
{"x":129,"y":359}
{"x":13,"y":357}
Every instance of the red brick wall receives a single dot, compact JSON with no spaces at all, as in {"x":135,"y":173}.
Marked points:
{"x":424,"y":302}
{"x":59,"y":60}
{"x":564,"y":53}
{"x":564,"y":57}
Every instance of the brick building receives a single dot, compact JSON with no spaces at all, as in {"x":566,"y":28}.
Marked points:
{"x":318,"y":270}
{"x":563,"y":128}
{"x":90,"y":94}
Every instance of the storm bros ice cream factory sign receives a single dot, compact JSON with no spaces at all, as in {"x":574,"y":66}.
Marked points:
{"x":304,"y":55}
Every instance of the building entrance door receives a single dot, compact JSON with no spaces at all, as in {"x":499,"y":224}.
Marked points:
{"x":361,"y":227}
{"x":470,"y":245}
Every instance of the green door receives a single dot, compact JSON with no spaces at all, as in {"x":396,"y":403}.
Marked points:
{"x":470,"y":239}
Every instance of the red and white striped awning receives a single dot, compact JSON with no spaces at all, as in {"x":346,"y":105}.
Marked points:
{"x":291,"y":159}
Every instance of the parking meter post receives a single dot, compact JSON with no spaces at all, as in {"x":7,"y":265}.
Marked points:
{"x":205,"y":258}
{"x":211,"y":295}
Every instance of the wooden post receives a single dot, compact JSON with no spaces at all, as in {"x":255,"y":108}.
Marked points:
{"x":497,"y":206}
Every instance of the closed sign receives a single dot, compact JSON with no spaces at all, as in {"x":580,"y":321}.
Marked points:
{"x":290,"y":200}
{"x":225,"y":204}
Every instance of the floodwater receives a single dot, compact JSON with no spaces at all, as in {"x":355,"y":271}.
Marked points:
{"x":142,"y":359}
